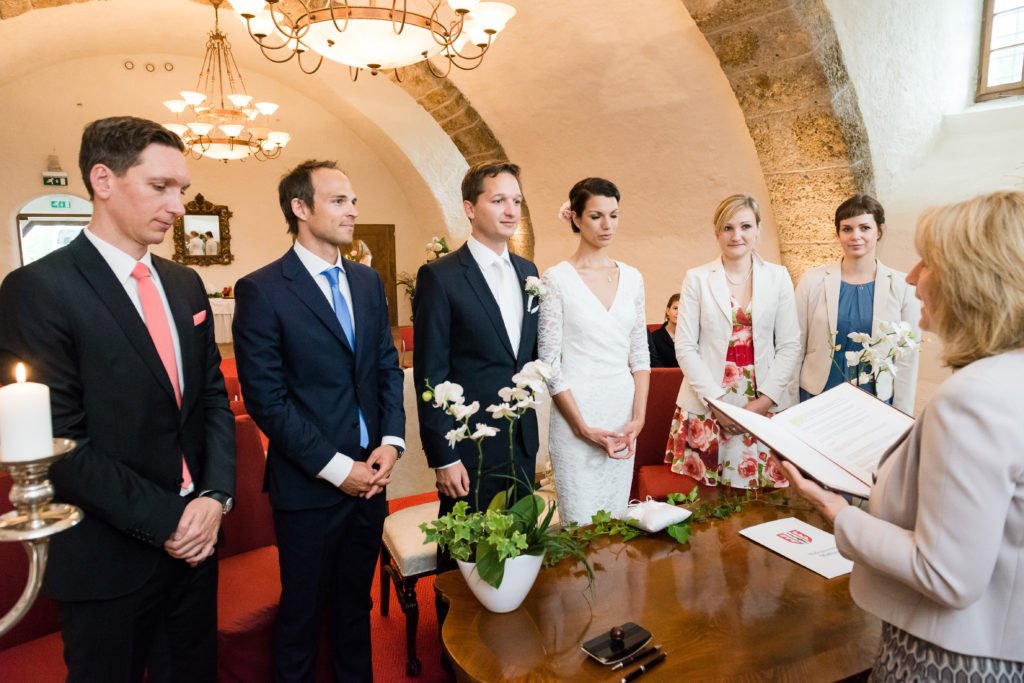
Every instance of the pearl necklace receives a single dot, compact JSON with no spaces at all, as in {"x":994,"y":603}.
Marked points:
{"x":741,"y":282}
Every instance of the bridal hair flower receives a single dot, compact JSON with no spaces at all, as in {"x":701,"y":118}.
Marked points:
{"x":565,"y":212}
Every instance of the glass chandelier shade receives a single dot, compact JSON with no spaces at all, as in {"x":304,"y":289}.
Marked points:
{"x":219,"y":118}
{"x":377,"y":35}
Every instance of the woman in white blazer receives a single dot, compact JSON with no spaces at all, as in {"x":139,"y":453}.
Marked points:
{"x":737,"y":340}
{"x":854,"y":294}
{"x":939,"y":554}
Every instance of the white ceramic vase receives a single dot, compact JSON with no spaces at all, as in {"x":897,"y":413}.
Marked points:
{"x":520,"y":574}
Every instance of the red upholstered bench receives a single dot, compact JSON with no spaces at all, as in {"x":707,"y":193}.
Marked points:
{"x":250,"y":579}
{"x":247,"y":598}
{"x":651,"y":476}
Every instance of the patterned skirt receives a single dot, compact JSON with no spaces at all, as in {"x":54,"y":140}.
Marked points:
{"x":908,"y":659}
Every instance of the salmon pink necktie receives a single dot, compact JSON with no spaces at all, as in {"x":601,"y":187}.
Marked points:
{"x":160,"y":330}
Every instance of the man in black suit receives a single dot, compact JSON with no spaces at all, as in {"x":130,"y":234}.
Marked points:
{"x":124,"y":339}
{"x":319,"y":372}
{"x":473,"y":327}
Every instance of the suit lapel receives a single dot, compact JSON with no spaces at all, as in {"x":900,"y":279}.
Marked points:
{"x":720,"y":289}
{"x":833,"y":278}
{"x":478,"y":284}
{"x":301,"y":284}
{"x":111,"y":292}
{"x":192,"y":369}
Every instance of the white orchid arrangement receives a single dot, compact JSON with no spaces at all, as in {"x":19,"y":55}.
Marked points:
{"x":536,"y":290}
{"x":507,"y":528}
{"x":515,"y":401}
{"x":876,"y":362}
{"x":437,"y":246}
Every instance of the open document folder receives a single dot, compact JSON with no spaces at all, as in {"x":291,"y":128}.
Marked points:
{"x":836,"y":438}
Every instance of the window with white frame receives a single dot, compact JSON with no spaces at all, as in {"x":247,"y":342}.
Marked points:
{"x":1001,"y":72}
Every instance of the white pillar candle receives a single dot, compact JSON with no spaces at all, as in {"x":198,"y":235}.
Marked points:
{"x":26,"y":432}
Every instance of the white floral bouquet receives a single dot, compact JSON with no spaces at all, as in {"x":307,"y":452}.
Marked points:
{"x":515,"y":401}
{"x":876,"y":362}
{"x":437,"y":246}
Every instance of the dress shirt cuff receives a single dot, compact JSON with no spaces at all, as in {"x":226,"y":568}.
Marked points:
{"x":444,"y":467}
{"x":394,"y":441}
{"x":337,"y":469}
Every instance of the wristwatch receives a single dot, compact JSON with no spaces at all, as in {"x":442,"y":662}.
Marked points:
{"x":400,"y":449}
{"x":226,"y":501}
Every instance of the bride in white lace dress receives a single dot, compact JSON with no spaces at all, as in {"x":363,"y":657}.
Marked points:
{"x":593,"y":332}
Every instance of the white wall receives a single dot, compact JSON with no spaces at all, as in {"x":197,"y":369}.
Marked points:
{"x":914,"y":65}
{"x":56,"y":102}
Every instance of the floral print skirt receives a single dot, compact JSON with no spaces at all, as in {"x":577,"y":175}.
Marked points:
{"x":697,"y":449}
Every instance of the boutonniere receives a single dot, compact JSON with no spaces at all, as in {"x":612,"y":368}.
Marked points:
{"x":536,"y":291}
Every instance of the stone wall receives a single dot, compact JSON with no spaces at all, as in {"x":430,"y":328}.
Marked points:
{"x":784,"y":63}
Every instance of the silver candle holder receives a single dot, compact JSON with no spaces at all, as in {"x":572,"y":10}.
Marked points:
{"x":34,"y":519}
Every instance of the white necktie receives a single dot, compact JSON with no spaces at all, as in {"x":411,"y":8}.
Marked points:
{"x":510,"y":302}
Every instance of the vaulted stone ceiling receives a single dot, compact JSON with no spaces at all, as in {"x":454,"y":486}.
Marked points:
{"x":781,"y":58}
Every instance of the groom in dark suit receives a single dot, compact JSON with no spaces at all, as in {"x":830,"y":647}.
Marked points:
{"x":472,"y":327}
{"x":125,"y":341}
{"x":320,"y":376}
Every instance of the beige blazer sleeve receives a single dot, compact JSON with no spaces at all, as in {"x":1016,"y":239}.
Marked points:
{"x":946,"y":519}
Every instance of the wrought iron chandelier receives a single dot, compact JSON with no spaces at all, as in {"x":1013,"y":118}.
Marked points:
{"x":378,"y":35}
{"x":219,"y":118}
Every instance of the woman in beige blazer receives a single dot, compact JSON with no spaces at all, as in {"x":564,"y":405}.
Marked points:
{"x":939,"y":554}
{"x":737,"y":339}
{"x":854,"y":294}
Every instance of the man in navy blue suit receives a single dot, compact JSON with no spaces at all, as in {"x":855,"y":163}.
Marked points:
{"x":320,"y":376}
{"x":473,"y":327}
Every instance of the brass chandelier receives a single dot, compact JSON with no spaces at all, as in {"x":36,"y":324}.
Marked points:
{"x":219,"y":118}
{"x":378,"y":35}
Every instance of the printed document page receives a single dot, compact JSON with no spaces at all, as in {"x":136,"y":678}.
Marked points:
{"x":837,"y":437}
{"x":802,"y":543}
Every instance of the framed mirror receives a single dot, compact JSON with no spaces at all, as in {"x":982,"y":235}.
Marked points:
{"x":202,"y":237}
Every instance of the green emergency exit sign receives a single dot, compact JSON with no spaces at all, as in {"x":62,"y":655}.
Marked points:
{"x":55,"y":180}
{"x":60,"y":204}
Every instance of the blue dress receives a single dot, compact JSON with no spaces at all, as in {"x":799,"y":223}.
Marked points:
{"x":856,"y":308}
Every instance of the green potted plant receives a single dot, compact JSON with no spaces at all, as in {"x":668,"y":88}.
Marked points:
{"x":500,"y":549}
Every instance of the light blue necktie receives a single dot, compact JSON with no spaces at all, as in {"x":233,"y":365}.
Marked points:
{"x":345,"y":319}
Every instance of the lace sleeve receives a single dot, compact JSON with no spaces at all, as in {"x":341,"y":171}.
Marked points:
{"x":549,"y":334}
{"x":639,"y":351}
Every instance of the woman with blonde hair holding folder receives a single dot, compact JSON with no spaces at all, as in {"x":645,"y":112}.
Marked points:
{"x":855,"y":294}
{"x":737,"y":340}
{"x":939,"y":553}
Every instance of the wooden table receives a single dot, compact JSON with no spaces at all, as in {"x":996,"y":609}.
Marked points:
{"x":723,"y":607}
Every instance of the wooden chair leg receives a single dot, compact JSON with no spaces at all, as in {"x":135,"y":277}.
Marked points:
{"x":385,"y":580}
{"x":411,"y":608}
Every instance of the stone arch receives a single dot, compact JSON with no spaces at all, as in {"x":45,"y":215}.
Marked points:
{"x":783,"y":60}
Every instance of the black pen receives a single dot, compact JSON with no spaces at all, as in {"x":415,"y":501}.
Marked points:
{"x":639,"y":655}
{"x":644,"y":668}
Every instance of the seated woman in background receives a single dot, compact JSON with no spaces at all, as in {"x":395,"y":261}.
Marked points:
{"x":739,"y":341}
{"x":663,"y":340}
{"x":939,"y":554}
{"x":855,"y":294}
